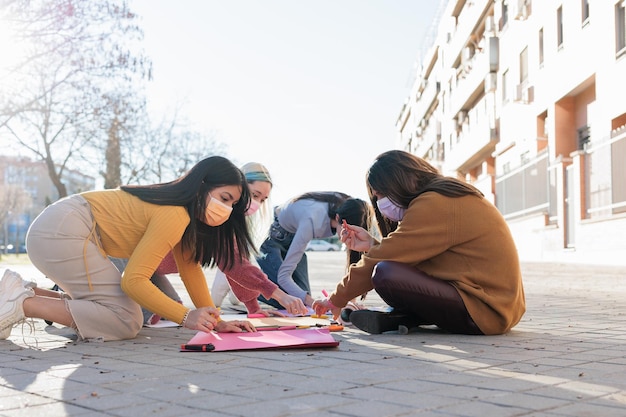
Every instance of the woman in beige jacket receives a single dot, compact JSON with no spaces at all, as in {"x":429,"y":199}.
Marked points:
{"x":446,"y":257}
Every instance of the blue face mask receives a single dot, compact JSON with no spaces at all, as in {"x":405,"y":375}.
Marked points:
{"x":390,"y":210}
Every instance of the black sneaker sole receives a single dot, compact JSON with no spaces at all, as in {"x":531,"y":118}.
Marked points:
{"x":376,"y":322}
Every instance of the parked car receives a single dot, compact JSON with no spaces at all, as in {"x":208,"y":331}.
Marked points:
{"x":11,"y":249}
{"x":322,"y":245}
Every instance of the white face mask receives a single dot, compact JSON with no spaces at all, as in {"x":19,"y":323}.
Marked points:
{"x":390,"y":210}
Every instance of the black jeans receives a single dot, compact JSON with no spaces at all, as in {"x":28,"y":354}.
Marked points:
{"x":431,"y":300}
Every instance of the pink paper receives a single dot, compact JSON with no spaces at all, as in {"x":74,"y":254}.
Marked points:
{"x":299,"y":338}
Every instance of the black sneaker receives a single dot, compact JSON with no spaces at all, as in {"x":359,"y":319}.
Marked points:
{"x":376,"y":322}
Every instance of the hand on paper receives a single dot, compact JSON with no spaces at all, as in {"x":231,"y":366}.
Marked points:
{"x":204,"y":319}
{"x":234,"y":326}
{"x":292,"y":304}
{"x":323,"y":306}
{"x":355,"y":237}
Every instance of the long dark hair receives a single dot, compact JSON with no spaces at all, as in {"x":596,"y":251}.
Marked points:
{"x":355,"y":211}
{"x":333,"y":198}
{"x":221,"y":245}
{"x":402,"y":176}
{"x":359,"y":213}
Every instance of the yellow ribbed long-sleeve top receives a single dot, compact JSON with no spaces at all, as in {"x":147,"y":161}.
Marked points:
{"x":144,"y":233}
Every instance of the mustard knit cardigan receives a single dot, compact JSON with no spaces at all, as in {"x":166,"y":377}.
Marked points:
{"x":464,"y":241}
{"x":144,"y":233}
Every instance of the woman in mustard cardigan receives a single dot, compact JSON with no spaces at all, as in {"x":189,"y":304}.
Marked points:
{"x":446,"y":257}
{"x":199,"y":217}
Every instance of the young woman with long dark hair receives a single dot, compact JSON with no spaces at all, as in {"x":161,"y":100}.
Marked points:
{"x":200,"y":217}
{"x":446,"y":257}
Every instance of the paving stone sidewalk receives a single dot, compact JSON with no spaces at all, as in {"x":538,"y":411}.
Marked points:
{"x":567,"y":357}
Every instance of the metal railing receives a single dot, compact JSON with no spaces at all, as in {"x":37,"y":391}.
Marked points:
{"x":524,"y":190}
{"x":605,"y":177}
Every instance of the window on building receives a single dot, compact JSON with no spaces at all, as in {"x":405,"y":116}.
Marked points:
{"x":505,"y":13}
{"x":584,"y":136}
{"x":524,"y":157}
{"x":523,"y":66}
{"x":541,"y":46}
{"x":620,"y":27}
{"x":559,"y":27}
{"x":585,"y":11}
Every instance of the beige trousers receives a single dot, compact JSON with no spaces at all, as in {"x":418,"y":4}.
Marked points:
{"x":63,"y":244}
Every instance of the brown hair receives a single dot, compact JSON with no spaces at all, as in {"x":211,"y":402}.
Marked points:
{"x":402,"y":176}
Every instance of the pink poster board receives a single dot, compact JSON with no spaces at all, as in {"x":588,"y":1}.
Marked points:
{"x":274,"y":339}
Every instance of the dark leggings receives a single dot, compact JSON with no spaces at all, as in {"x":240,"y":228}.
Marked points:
{"x":431,"y":300}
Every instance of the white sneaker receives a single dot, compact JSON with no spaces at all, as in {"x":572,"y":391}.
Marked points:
{"x":11,"y":279}
{"x":13,"y":291}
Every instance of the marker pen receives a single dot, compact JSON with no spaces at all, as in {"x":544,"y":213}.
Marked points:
{"x":261,"y":329}
{"x":206,"y":347}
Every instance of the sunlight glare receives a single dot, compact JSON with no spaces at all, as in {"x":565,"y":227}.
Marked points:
{"x":10,"y":50}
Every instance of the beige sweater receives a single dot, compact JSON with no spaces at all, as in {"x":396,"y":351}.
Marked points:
{"x":465,"y":241}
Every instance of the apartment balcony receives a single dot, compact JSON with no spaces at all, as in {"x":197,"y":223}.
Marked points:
{"x":428,"y":139}
{"x":474,"y":144}
{"x":427,"y":99}
{"x":471,"y":76}
{"x":467,"y":17}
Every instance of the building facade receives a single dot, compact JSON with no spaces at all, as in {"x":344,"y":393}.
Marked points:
{"x":32,"y":177}
{"x":522,"y":98}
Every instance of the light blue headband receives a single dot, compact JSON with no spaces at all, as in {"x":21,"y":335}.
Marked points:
{"x":258,"y":176}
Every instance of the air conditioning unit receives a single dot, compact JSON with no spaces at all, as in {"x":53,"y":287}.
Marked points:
{"x":524,"y":94}
{"x":529,"y":94}
{"x":460,"y":118}
{"x":494,"y":54}
{"x":522,"y":10}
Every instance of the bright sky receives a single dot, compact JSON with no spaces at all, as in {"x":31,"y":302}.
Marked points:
{"x":311,"y":89}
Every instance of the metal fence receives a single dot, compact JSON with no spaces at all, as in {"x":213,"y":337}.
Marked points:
{"x":605,"y":178}
{"x":525,"y":190}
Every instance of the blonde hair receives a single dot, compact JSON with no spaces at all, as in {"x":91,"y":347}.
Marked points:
{"x":259,"y":223}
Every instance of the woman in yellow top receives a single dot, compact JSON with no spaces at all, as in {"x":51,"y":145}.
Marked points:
{"x":200,"y":217}
{"x":446,"y":256}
